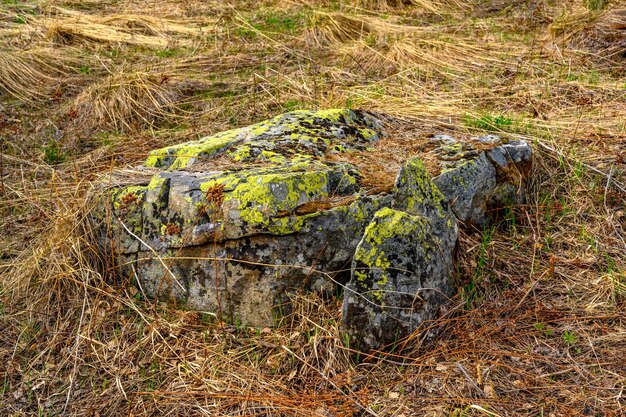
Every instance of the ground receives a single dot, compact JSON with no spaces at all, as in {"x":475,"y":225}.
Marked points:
{"x":537,"y":327}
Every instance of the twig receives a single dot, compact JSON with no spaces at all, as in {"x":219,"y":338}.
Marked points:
{"x":606,"y":189}
{"x":76,"y":345}
{"x":151,"y":250}
{"x":471,"y":381}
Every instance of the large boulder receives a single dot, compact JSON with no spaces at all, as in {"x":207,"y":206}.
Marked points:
{"x":234,"y":223}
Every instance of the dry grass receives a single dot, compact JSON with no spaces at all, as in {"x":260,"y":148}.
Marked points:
{"x":605,"y":37}
{"x":538,"y":324}
{"x":437,"y":7}
{"x":32,"y":74}
{"x":133,"y":29}
{"x":126,"y":100}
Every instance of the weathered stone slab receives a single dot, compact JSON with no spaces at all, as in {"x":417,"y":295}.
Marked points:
{"x":235,"y":222}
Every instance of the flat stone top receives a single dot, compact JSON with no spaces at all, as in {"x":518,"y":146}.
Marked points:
{"x":296,"y":136}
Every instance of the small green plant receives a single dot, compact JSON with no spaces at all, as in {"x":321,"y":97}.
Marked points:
{"x":292,"y":105}
{"x":167,"y":53}
{"x":205,"y":318}
{"x":277,"y":311}
{"x":371,"y":40}
{"x":510,"y":219}
{"x":579,"y":169}
{"x":468,"y":294}
{"x":244,"y":32}
{"x":346,"y":340}
{"x":273,"y":22}
{"x":569,"y":337}
{"x":84,"y":69}
{"x":587,"y":237}
{"x":240,"y":326}
{"x":591,"y":77}
{"x":281,"y":23}
{"x":482,"y":256}
{"x":113,"y":53}
{"x":543,"y":327}
{"x":53,"y":154}
{"x":615,"y":274}
{"x":471,"y":291}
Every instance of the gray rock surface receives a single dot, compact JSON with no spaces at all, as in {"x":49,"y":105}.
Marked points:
{"x":234,"y":223}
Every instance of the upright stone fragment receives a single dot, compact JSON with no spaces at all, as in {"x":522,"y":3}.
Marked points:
{"x":482,"y":175}
{"x":402,"y":266}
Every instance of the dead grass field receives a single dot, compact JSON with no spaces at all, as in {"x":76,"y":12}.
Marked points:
{"x":538,"y":327}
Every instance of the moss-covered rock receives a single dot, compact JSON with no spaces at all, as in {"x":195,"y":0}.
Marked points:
{"x":270,"y":225}
{"x":244,"y":218}
{"x":482,"y":175}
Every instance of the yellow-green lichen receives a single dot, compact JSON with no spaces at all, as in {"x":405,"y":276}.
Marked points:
{"x":229,"y":181}
{"x":459,"y":164}
{"x":268,"y":197}
{"x":241,"y":153}
{"x":416,"y":179}
{"x":367,"y":133}
{"x":273,"y":157}
{"x":156,"y":192}
{"x":186,"y":152}
{"x":259,"y":129}
{"x":262,"y":196}
{"x":156,"y":183}
{"x":386,"y":224}
{"x":454,"y":148}
{"x":360,"y":275}
{"x":287,"y":225}
{"x":300,"y":127}
{"x":128,"y":196}
{"x":127,"y":203}
{"x":332,"y":115}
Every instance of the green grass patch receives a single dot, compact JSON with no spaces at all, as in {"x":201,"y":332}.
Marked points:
{"x":273,"y":22}
{"x":489,"y":122}
{"x":168,"y":53}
